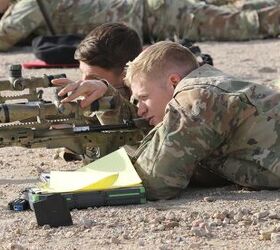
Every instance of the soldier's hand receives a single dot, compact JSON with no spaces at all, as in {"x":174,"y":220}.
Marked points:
{"x":89,"y":90}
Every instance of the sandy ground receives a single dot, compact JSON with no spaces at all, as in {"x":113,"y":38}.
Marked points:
{"x":216,"y":218}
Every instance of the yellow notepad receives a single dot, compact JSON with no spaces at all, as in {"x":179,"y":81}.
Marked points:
{"x":112,"y":171}
{"x":73,"y":181}
{"x":116,"y":162}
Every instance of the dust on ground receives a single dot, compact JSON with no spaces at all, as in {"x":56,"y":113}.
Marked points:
{"x":213,"y":218}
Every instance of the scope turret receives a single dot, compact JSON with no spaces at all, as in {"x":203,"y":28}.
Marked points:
{"x":18,"y":83}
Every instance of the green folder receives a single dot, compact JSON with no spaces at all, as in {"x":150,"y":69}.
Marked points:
{"x":81,"y":200}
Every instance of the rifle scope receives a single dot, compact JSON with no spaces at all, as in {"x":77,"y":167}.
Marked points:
{"x":19,"y":83}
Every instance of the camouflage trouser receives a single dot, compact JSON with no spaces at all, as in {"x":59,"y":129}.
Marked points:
{"x":248,"y":174}
{"x":198,"y":21}
{"x":157,"y":188}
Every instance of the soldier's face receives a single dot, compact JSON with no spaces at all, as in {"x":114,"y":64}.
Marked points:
{"x":152,"y":96}
{"x":95,"y":72}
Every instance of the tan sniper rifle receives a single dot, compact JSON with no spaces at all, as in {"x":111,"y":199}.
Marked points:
{"x":38,"y":123}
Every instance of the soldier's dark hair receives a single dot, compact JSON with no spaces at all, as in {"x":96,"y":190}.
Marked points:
{"x":110,"y":46}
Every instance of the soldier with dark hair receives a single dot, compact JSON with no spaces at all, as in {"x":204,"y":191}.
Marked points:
{"x":104,"y":53}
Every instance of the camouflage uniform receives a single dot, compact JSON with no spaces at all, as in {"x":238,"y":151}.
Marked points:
{"x":199,"y":21}
{"x":67,"y":16}
{"x":152,"y":19}
{"x":218,"y":123}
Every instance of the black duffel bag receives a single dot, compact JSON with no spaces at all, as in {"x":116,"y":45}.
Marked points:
{"x":58,"y":49}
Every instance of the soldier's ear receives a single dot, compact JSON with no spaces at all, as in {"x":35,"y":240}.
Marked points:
{"x":174,"y":79}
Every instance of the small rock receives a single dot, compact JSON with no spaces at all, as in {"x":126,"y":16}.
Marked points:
{"x":219,"y":216}
{"x":226,"y":221}
{"x":273,"y":215}
{"x":179,"y":239}
{"x":267,"y":70}
{"x":45,"y":227}
{"x":205,"y":216}
{"x":171,"y":224}
{"x":87,"y":223}
{"x":245,"y":223}
{"x":238,"y":216}
{"x":32,"y":225}
{"x":164,"y":247}
{"x":39,"y":170}
{"x":212,"y":224}
{"x":195,"y":246}
{"x":194,"y":215}
{"x":245,"y":211}
{"x":197,"y":231}
{"x":161,"y":227}
{"x":209,"y":199}
{"x":141,"y":243}
{"x":266,"y":234}
{"x":261,"y":214}
{"x":218,"y":222}
{"x":115,"y":240}
{"x":275,"y":238}
{"x":170,"y":216}
{"x":125,"y":236}
{"x":154,"y":221}
{"x":231,"y":214}
{"x":196,"y":223}
{"x":69,"y":234}
{"x":16,"y":246}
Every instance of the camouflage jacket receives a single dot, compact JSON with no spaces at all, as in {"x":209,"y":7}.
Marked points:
{"x":228,"y":126}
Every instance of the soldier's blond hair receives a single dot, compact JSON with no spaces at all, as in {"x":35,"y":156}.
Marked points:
{"x":161,"y":58}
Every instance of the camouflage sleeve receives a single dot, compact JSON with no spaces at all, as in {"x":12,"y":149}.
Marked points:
{"x":19,"y":21}
{"x":196,"y":123}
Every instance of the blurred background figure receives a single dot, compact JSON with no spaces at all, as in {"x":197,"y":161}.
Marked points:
{"x":24,"y":19}
{"x":153,"y":20}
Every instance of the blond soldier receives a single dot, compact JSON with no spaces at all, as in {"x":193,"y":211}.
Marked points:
{"x":203,"y":118}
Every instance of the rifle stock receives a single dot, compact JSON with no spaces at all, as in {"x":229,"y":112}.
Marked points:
{"x":106,"y":138}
